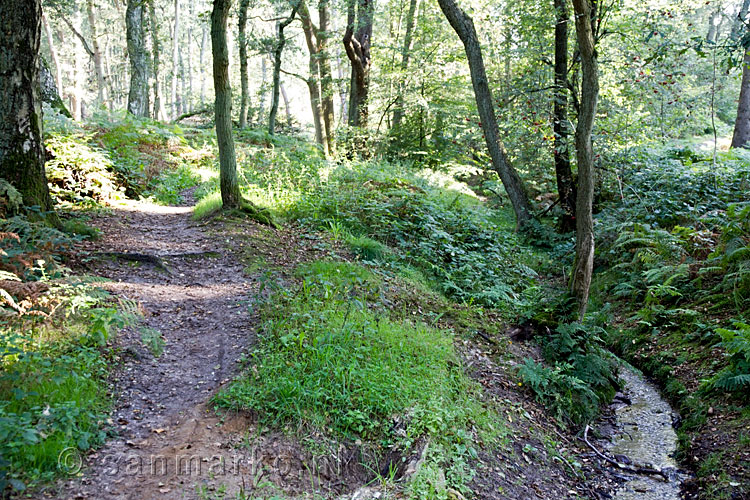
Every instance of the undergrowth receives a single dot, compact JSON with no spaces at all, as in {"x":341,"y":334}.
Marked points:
{"x":326,"y":361}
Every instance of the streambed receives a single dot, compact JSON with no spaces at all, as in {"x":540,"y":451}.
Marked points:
{"x":644,"y":435}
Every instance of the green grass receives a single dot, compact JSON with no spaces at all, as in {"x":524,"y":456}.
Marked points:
{"x":207,"y":206}
{"x":326,"y":361}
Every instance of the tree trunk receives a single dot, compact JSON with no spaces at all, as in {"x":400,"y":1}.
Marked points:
{"x":313,"y":81}
{"x":176,"y":59}
{"x":357,"y":46}
{"x":21,"y":148}
{"x":739,"y":22}
{"x":280,"y":42}
{"x":204,"y":44}
{"x":242,"y":41}
{"x":48,"y":89}
{"x":464,"y":27}
{"x":741,"y":135}
{"x":398,"y":111}
{"x":183,"y":87}
{"x":189,"y":56}
{"x":262,"y":86}
{"x":287,"y":110}
{"x":584,"y":261}
{"x":565,"y":185}
{"x":156,"y":44}
{"x":138,"y":97}
{"x":77,"y":67}
{"x":103,"y":96}
{"x":326,"y":77}
{"x":230,"y":189}
{"x":53,"y":55}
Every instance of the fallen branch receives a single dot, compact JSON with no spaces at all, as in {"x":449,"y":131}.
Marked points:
{"x":630,"y":468}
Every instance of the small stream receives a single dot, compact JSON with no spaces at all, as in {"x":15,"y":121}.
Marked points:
{"x":644,"y":434}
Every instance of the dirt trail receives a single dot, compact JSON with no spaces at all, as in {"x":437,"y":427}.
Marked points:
{"x":200,"y":308}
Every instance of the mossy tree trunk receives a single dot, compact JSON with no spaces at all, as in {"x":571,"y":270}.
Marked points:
{"x":326,"y":77}
{"x":21,"y":148}
{"x":464,"y":27}
{"x":230,"y":189}
{"x":584,"y":260}
{"x":138,"y":99}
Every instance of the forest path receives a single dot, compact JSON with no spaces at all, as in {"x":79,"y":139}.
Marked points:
{"x":199,"y":305}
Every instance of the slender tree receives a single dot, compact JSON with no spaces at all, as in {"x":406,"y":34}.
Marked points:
{"x":103,"y":95}
{"x":565,"y":185}
{"x":584,"y":261}
{"x":398,"y":111}
{"x":242,"y":42}
{"x":464,"y":27}
{"x":138,"y":99}
{"x":278,"y":49}
{"x":741,"y":135}
{"x":21,"y":148}
{"x":313,"y":80}
{"x":230,"y":188}
{"x":53,"y":54}
{"x":156,"y":48}
{"x":357,"y":42}
{"x":176,"y":59}
{"x":326,"y":76}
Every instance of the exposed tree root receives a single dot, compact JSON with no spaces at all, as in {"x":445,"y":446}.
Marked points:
{"x":261,"y":215}
{"x":157,"y":260}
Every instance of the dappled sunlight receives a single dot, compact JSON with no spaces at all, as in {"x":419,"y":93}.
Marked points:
{"x":148,"y":207}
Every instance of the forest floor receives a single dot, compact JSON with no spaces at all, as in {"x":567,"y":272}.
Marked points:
{"x":170,"y":443}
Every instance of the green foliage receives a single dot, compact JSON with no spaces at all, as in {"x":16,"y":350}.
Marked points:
{"x":442,"y":233}
{"x":326,"y":360}
{"x":10,"y":199}
{"x":31,"y":250}
{"x":736,"y":376}
{"x":78,"y":171}
{"x":581,"y":377}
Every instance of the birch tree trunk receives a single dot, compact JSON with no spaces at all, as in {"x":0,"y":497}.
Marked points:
{"x":464,"y":27}
{"x":138,"y":97}
{"x":21,"y":148}
{"x":230,"y":189}
{"x":584,"y":264}
{"x":204,"y":44}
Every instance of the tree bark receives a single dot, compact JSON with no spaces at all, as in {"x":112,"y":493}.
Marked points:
{"x":357,"y":45}
{"x":188,"y":100}
{"x":21,"y":148}
{"x":138,"y":97}
{"x":176,"y":59}
{"x":280,"y":42}
{"x":242,"y":41}
{"x":48,"y":89}
{"x":53,"y":54}
{"x":287,"y":109}
{"x":563,"y":173}
{"x":398,"y":111}
{"x":204,"y":44}
{"x":313,"y":80}
{"x":156,"y":44}
{"x":741,"y":135}
{"x":230,"y":189}
{"x":464,"y":27}
{"x":584,"y":261}
{"x":263,"y":72}
{"x":326,"y":77}
{"x":101,"y":83}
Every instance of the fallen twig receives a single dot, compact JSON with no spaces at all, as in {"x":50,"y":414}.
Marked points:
{"x":629,"y":468}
